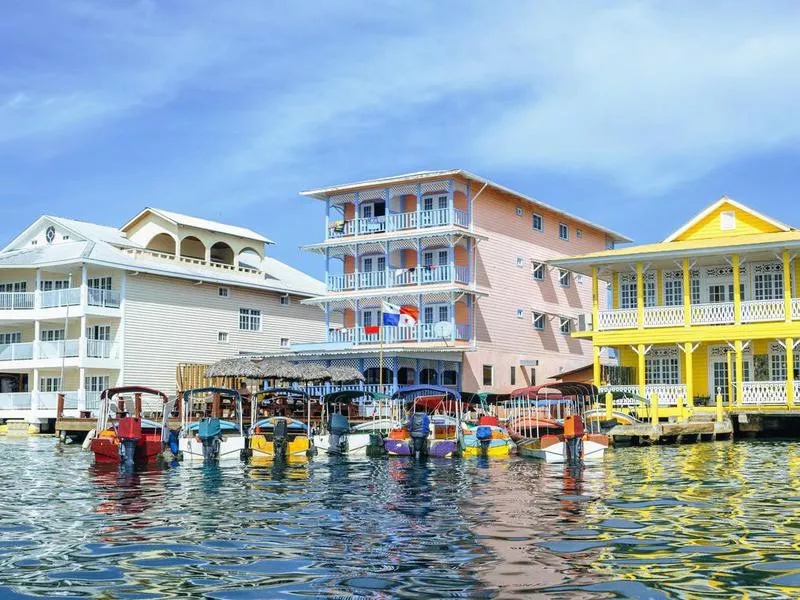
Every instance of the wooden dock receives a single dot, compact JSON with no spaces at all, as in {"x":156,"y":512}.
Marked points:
{"x":696,"y":429}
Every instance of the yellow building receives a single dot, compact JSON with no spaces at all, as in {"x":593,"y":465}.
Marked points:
{"x":717,"y":297}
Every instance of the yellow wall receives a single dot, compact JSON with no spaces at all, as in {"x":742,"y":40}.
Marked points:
{"x":709,"y":227}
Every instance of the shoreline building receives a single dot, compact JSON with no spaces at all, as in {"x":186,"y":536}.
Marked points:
{"x":464,"y":259}
{"x":713,"y":309}
{"x":84,"y":307}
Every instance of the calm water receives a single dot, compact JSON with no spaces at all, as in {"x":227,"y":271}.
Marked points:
{"x":710,"y":520}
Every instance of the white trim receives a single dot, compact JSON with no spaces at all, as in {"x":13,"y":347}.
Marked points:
{"x":725,"y":200}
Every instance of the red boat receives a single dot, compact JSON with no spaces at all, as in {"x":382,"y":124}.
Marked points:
{"x":123,"y":436}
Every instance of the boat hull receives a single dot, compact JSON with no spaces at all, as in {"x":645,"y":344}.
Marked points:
{"x":106,"y":448}
{"x":230,"y":448}
{"x":298,"y":448}
{"x":433,"y":448}
{"x":499,"y":445}
{"x":553,"y":449}
{"x":357,"y":444}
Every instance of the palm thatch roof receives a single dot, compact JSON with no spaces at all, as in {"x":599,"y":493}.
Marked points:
{"x":235,"y":367}
{"x":276,"y":368}
{"x":345,"y":374}
{"x":310,"y":371}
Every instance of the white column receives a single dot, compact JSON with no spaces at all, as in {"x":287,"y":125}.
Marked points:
{"x":37,"y":333}
{"x":35,"y":390}
{"x":37,"y":293}
{"x":84,"y":286}
{"x":81,"y":389}
{"x":120,"y":337}
{"x":83,"y":341}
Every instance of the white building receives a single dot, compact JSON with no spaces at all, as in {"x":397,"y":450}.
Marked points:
{"x":84,"y":307}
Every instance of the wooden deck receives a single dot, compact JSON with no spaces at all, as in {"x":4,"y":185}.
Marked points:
{"x":694,"y":430}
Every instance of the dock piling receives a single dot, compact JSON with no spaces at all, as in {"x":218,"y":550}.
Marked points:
{"x":609,"y":406}
{"x":719,"y":408}
{"x":654,"y":409}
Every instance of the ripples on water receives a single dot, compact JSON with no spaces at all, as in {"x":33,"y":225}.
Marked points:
{"x":708,"y":520}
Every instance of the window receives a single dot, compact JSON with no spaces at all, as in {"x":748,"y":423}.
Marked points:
{"x":96,"y":383}
{"x":513,"y":378}
{"x":664,"y":370}
{"x":224,"y":292}
{"x":34,"y":242}
{"x":14,"y":337}
{"x":64,"y":237}
{"x":716,"y":293}
{"x":520,"y":313}
{"x":249,"y":319}
{"x":695,"y":290}
{"x":537,"y":319}
{"x":49,"y":384}
{"x":51,"y":335}
{"x":488,"y":375}
{"x":650,"y":293}
{"x":285,"y":300}
{"x":537,"y":224}
{"x":727,"y":220}
{"x":54,"y":284}
{"x":533,"y":375}
{"x":222,"y":337}
{"x":564,"y":277}
{"x":520,"y":212}
{"x":431,"y":202}
{"x":50,"y":234}
{"x":777,"y":366}
{"x":673,"y":292}
{"x":566,"y":325}
{"x":627,"y":295}
{"x":768,"y":286}
{"x":579,"y":233}
{"x":16,"y":287}
{"x":284,"y":342}
{"x":520,"y":261}
{"x":563,"y":231}
{"x":99,"y":332}
{"x":99,"y":283}
{"x":537,"y":270}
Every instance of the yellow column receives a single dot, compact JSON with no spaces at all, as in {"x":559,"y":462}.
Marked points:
{"x":609,"y":406}
{"x":640,"y":353}
{"x":789,"y":372}
{"x":654,"y":410}
{"x":596,"y":375}
{"x":615,"y":290}
{"x":719,"y":408}
{"x":640,"y":295}
{"x":787,"y":286}
{"x":688,"y":356}
{"x":659,"y":288}
{"x":687,"y":294}
{"x":595,"y":300}
{"x":737,"y":345}
{"x":737,"y":295}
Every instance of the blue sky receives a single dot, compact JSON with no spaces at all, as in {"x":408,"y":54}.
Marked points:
{"x":632,"y":114}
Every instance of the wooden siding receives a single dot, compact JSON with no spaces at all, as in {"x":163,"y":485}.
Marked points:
{"x":709,"y":227}
{"x":169,"y":321}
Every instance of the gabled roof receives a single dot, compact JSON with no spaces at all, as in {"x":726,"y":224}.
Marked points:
{"x":715,"y":206}
{"x":189,"y":221}
{"x":78,"y":229}
{"x":323,"y":193}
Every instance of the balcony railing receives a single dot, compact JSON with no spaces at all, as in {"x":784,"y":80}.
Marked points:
{"x":756,"y":311}
{"x":372,"y":279}
{"x":64,"y":297}
{"x":763,"y":392}
{"x":59,"y":349}
{"x":22,"y":351}
{"x":425,"y":332}
{"x":424,"y":275}
{"x":104,"y":298}
{"x":624,"y":318}
{"x":439,"y":217}
{"x":17,"y":300}
{"x":101,"y":349}
{"x":667,"y":393}
{"x":663,"y":316}
{"x":15,"y":401}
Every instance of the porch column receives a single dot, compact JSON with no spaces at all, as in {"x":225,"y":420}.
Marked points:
{"x":416,"y":372}
{"x":596,"y":372}
{"x":737,"y":347}
{"x":327,"y":269}
{"x":469,"y":205}
{"x":450,"y":205}
{"x":84,"y":287}
{"x":419,"y":209}
{"x":208,"y":254}
{"x":789,"y":372}
{"x":595,"y":300}
{"x":688,"y":350}
{"x":34,"y":390}
{"x":641,"y":354}
{"x":421,"y":316}
{"x":453,"y":316}
{"x":468,"y":243}
{"x":687,"y":294}
{"x":327,"y":217}
{"x":37,"y":292}
{"x":37,"y":333}
{"x":82,"y":340}
{"x":386,"y":272}
{"x":356,"y":269}
{"x":328,"y":321}
{"x":395,"y":369}
{"x":357,"y":324}
{"x":81,"y":390}
{"x":787,"y":286}
{"x":737,"y":292}
{"x":640,"y":295}
{"x":357,"y":220}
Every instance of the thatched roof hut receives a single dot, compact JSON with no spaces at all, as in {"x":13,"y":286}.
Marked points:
{"x":310,"y":371}
{"x":235,"y":367}
{"x":277,"y":368}
{"x":345,"y":374}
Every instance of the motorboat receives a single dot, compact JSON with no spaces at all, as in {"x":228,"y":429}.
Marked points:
{"x":338,"y":436}
{"x":486,"y":438}
{"x":204,"y":434}
{"x":123,"y":436}
{"x":282,"y":434}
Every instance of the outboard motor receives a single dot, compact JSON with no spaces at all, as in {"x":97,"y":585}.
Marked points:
{"x":339,"y":428}
{"x":573,"y":437}
{"x":280,"y":437}
{"x":419,"y":427}
{"x":129,"y":431}
{"x":209,"y":432}
{"x":484,"y":436}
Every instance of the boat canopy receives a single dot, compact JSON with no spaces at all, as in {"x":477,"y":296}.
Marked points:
{"x":282,"y":391}
{"x":564,"y":388}
{"x":425,"y":390}
{"x":131,"y":389}
{"x":343,"y":396}
{"x":213,"y":390}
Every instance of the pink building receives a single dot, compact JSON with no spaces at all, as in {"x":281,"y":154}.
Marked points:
{"x":470,"y":256}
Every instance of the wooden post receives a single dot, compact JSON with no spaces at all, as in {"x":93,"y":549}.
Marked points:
{"x":641,"y":355}
{"x":688,"y":352}
{"x":595,"y":301}
{"x":719,"y":408}
{"x":60,"y":406}
{"x":640,"y":295}
{"x":654,"y":409}
{"x":687,"y":294}
{"x":609,"y":406}
{"x":596,"y":370}
{"x":137,"y":406}
{"x":790,"y":372}
{"x":215,"y":408}
{"x":737,"y":345}
{"x":787,"y":287}
{"x":737,"y":293}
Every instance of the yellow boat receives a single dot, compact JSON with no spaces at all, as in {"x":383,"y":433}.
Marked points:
{"x":280,"y":437}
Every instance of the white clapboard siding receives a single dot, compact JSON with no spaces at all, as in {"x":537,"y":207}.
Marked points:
{"x":171,"y":321}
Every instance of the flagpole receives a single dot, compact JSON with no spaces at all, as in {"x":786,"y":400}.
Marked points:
{"x":380,"y":361}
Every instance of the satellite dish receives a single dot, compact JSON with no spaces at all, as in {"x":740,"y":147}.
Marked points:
{"x":443,"y":329}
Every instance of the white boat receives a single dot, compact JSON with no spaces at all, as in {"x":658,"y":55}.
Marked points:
{"x":337,"y":436}
{"x":204,"y":435}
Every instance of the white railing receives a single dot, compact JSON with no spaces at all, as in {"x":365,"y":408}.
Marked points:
{"x":623,"y":318}
{"x":460,"y":218}
{"x":755,"y":311}
{"x":796,"y":309}
{"x":17,"y":300}
{"x":668,"y":394}
{"x":372,"y":279}
{"x":15,"y":401}
{"x":65,"y":297}
{"x":345,"y":281}
{"x":372,"y":225}
{"x":101,"y":349}
{"x":22,"y":351}
{"x":59,"y":349}
{"x":764,"y":392}
{"x":663,"y":316}
{"x":434,"y":218}
{"x":49,"y":400}
{"x":713,"y":313}
{"x":341,"y":228}
{"x":461,"y":274}
{"x":404,"y":333}
{"x":338,"y":336}
{"x":621,"y":389}
{"x":400,"y":221}
{"x":434,"y":274}
{"x":404,"y":276}
{"x":105,"y":298}
{"x":147,"y":253}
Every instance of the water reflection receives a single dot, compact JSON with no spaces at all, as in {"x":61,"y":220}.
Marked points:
{"x":694,"y":521}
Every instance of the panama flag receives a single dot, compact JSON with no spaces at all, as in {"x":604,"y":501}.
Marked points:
{"x":394,"y":315}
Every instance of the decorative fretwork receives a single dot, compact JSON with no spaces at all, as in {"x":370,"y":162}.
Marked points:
{"x":631,"y":277}
{"x":617,"y":319}
{"x":768,"y":267}
{"x":663,"y":352}
{"x":340,"y":199}
{"x":763,"y":392}
{"x":714,"y":313}
{"x":678,"y":275}
{"x":756,"y":311}
{"x":663,"y":316}
{"x":435,"y":187}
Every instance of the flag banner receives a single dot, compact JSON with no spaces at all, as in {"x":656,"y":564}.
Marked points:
{"x":391,"y":314}
{"x":409,"y":315}
{"x":370,"y":329}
